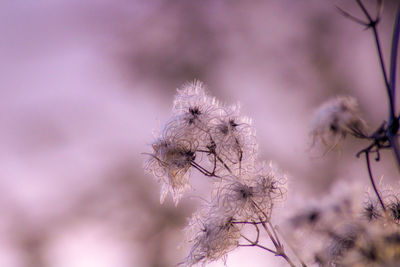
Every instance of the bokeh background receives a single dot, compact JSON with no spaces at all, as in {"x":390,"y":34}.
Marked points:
{"x":86,"y":85}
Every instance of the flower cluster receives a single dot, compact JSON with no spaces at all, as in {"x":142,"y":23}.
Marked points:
{"x":215,"y":140}
{"x":200,"y":125}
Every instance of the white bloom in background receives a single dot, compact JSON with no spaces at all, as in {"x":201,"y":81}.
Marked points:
{"x":170,"y":163}
{"x":335,"y":119}
{"x":212,"y":235}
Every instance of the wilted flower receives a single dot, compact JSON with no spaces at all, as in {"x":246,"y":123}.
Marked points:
{"x":193,"y":101}
{"x":371,"y":210}
{"x":394,"y":209}
{"x":193,"y":112}
{"x":236,"y":198}
{"x":212,"y":235}
{"x":390,"y":198}
{"x":335,"y":119}
{"x":250,"y":196}
{"x":235,"y":138}
{"x":170,"y":162}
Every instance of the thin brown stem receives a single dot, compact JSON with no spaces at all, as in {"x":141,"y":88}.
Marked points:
{"x":246,"y":222}
{"x":273,"y":236}
{"x":224,"y":164}
{"x":287,"y":259}
{"x":258,"y":245}
{"x":303,"y":264}
{"x":255,"y":243}
{"x":257,"y":238}
{"x":203,"y":170}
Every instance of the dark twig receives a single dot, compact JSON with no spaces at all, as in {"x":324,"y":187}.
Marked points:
{"x":203,"y":170}
{"x":351,"y":17}
{"x":373,"y":182}
{"x":372,"y":23}
{"x":273,"y":236}
{"x":255,"y":243}
{"x":394,"y":121}
{"x":384,"y":134}
{"x":394,"y":54}
{"x":247,"y":222}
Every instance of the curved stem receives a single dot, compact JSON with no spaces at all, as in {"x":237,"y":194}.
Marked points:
{"x":371,"y":178}
{"x":255,"y":243}
{"x":273,"y":236}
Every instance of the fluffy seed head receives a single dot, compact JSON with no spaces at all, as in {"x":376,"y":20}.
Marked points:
{"x":335,"y":119}
{"x":194,"y":106}
{"x":235,"y":138}
{"x":212,"y":235}
{"x":250,"y":196}
{"x":170,"y":163}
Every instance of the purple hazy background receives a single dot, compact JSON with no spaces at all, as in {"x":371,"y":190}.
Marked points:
{"x":85,"y":86}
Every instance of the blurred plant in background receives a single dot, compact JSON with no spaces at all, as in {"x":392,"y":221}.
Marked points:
{"x":85,"y":82}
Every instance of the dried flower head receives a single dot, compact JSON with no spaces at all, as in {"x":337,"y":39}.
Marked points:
{"x":170,"y":162}
{"x":371,"y":210}
{"x":212,"y":235}
{"x":250,"y":197}
{"x":235,"y":138}
{"x":193,"y":112}
{"x":335,"y":119}
{"x":394,"y":210}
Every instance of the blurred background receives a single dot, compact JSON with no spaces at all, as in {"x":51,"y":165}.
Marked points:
{"x":86,"y":85}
